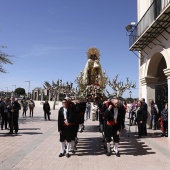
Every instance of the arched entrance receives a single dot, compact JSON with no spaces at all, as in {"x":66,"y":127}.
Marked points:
{"x":161,"y":88}
{"x":156,"y":68}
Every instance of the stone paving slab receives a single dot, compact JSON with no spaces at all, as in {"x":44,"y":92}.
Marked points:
{"x":37,"y":146}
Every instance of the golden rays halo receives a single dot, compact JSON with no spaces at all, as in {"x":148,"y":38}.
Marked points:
{"x":93,"y":53}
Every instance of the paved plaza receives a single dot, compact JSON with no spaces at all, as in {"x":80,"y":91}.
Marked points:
{"x":36,"y":147}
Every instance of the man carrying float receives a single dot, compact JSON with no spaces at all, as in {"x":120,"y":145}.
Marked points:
{"x":113,"y":119}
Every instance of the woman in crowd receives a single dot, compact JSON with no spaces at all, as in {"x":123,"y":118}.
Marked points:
{"x":164,"y":116}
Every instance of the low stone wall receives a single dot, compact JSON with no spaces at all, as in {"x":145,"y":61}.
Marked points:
{"x":40,"y":104}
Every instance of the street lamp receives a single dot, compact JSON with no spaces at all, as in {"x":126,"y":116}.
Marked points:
{"x":14,"y":89}
{"x":14,"y":86}
{"x":28,"y":86}
{"x":1,"y":92}
{"x":130,"y":93}
{"x":6,"y":91}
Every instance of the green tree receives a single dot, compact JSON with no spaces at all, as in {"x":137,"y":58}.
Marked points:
{"x":4,"y":59}
{"x":20,"y":91}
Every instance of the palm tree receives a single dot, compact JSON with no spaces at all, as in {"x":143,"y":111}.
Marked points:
{"x":4,"y":59}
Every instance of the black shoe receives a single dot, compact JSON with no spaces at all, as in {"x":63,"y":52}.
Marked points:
{"x":67,"y":155}
{"x":16,"y":132}
{"x":61,"y":154}
{"x":108,"y":154}
{"x":117,"y":154}
{"x":154,"y":129}
{"x":162,"y":135}
{"x":1,"y":128}
{"x":73,"y":151}
{"x":10,"y":133}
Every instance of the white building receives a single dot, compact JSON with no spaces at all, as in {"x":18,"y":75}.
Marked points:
{"x":151,"y":38}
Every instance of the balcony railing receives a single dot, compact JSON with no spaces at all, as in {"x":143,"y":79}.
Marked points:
{"x":148,"y":18}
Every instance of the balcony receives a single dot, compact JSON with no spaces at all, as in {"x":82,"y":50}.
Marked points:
{"x":155,"y":21}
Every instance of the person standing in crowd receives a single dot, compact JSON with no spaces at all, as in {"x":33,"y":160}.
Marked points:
{"x":101,"y":117}
{"x":113,"y":126}
{"x":153,"y":116}
{"x":82,"y":108}
{"x":31,"y":107}
{"x":66,"y":122}
{"x":72,"y":107}
{"x":122,"y":111}
{"x":140,"y":117}
{"x":46,"y":108}
{"x":14,"y":108}
{"x":133,"y":113}
{"x":145,"y":116}
{"x":164,"y":116}
{"x":88,"y":108}
{"x":24,"y":107}
{"x":16,"y":99}
{"x":4,"y":110}
{"x":94,"y":109}
{"x":125,"y":110}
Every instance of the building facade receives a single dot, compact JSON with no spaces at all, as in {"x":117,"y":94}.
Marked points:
{"x":150,"y":38}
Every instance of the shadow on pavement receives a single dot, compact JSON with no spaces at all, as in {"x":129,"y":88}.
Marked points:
{"x":91,"y":128}
{"x":89,"y":146}
{"x":24,"y":120}
{"x":128,"y":145}
{"x":19,"y":134}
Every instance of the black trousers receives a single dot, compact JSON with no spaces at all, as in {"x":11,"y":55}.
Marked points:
{"x":31,"y":111}
{"x":140,"y":128}
{"x":67,"y":133}
{"x":46,"y":114}
{"x":165,"y":125}
{"x":4,"y":120}
{"x":144,"y":129}
{"x":111,"y":131}
{"x":13,"y":122}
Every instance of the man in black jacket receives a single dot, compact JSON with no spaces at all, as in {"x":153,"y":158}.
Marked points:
{"x":145,"y":114}
{"x":4,"y":110}
{"x":66,"y":123}
{"x":14,"y":108}
{"x":46,"y":108}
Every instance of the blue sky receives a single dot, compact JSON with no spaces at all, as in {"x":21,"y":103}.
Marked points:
{"x":49,"y":40}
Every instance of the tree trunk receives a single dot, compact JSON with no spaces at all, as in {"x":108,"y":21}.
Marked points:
{"x":54,"y":103}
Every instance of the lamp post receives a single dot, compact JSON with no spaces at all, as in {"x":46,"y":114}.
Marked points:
{"x":6,"y":91}
{"x":14,"y":86}
{"x":14,"y":89}
{"x":1,"y":92}
{"x":28,"y":86}
{"x":130,"y":93}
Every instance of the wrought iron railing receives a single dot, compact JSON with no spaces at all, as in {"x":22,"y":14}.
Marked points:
{"x":148,"y":18}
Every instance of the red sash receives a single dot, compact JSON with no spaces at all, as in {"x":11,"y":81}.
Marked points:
{"x":111,"y":123}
